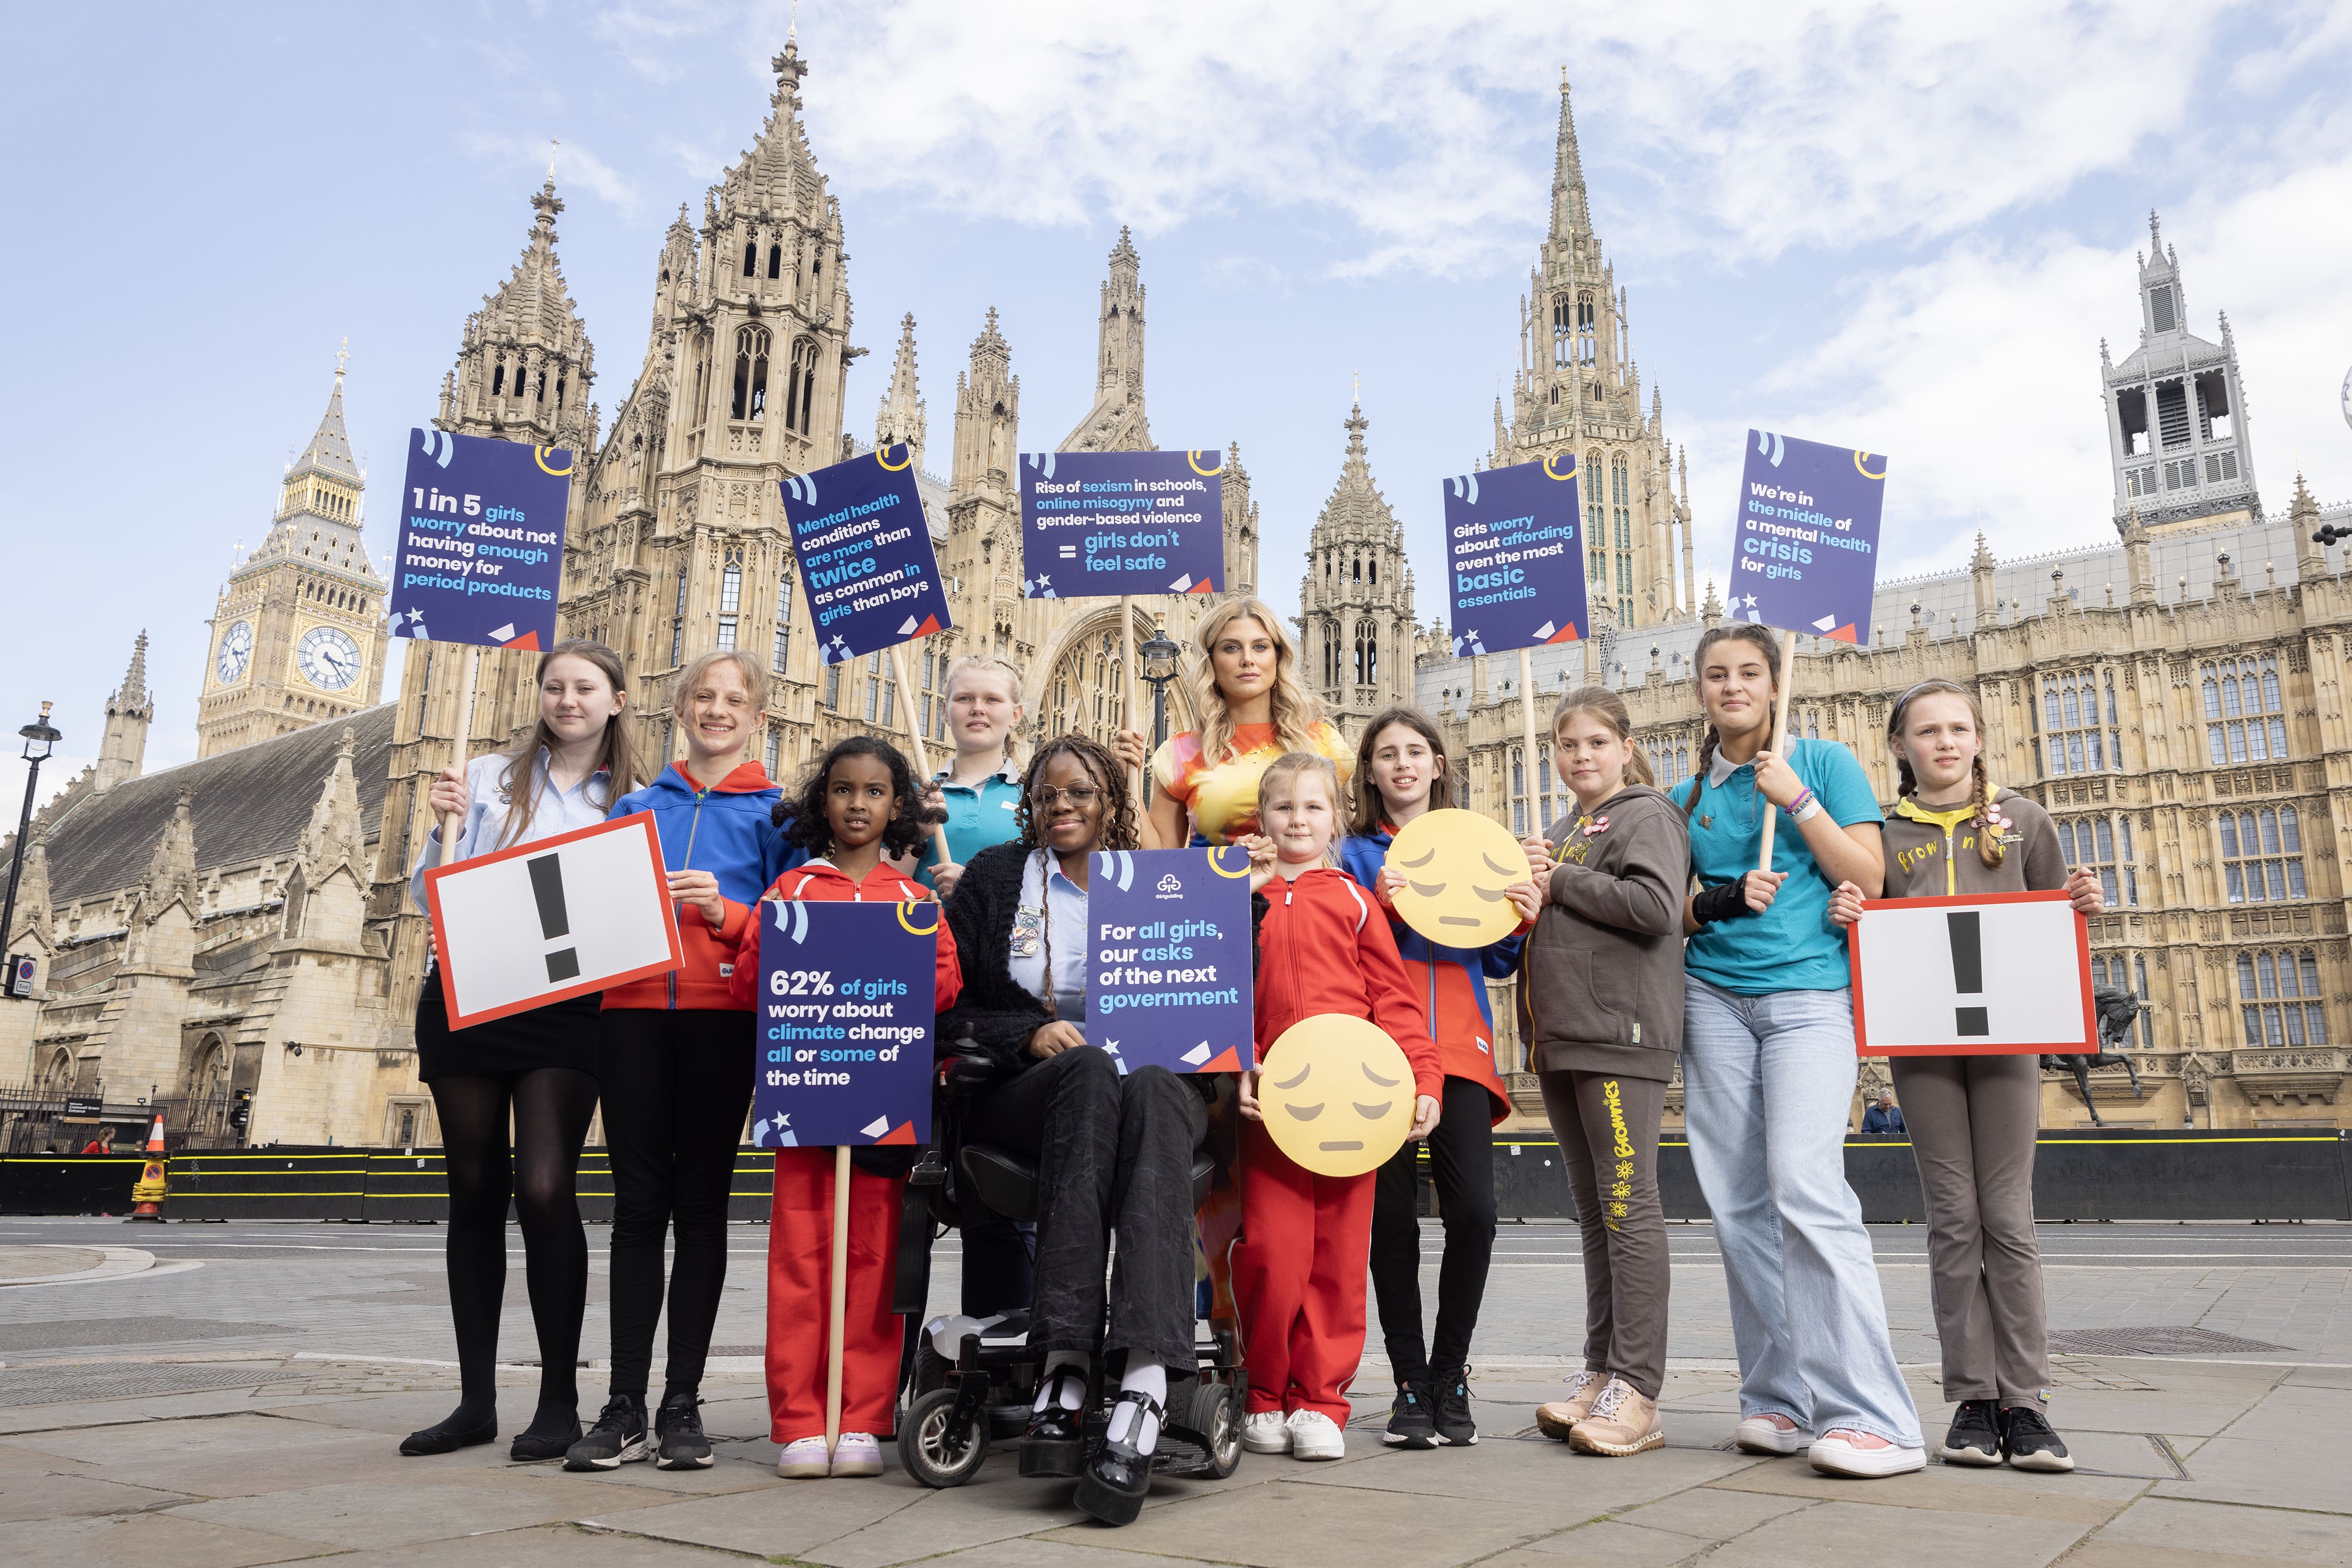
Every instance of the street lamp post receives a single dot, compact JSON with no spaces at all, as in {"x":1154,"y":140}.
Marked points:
{"x":41,"y":738}
{"x":1158,"y":654}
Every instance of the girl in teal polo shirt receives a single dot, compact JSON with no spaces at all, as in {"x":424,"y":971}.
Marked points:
{"x":1769,"y":1071}
{"x":980,"y":789}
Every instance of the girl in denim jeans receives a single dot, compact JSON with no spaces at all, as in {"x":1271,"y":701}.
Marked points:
{"x":1769,"y":1071}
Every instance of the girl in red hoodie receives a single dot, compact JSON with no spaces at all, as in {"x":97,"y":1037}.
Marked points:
{"x":1299,"y":1269}
{"x":859,"y":805}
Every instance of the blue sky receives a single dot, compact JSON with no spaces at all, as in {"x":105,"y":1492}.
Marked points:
{"x":1903,"y":228}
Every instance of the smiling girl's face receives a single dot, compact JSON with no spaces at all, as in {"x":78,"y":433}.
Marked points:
{"x":576,"y":699}
{"x":1403,"y":767}
{"x":1302,"y":821}
{"x":1734,"y":687}
{"x":859,"y":802}
{"x":1068,"y":805}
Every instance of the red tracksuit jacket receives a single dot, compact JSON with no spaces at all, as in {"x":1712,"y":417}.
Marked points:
{"x":822,"y":881}
{"x":1325,"y":948}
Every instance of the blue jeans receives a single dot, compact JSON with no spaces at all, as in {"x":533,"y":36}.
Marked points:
{"x":1767,"y":1082}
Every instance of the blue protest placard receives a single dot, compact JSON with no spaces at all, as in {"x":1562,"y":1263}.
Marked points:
{"x":846,"y":1014}
{"x":1518,"y":566}
{"x":1098,"y":523}
{"x":1170,"y":948}
{"x":481,"y":540}
{"x":1805,"y":549}
{"x":866,"y":554}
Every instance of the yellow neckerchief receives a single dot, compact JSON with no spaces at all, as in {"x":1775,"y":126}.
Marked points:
{"x":1944,"y":822}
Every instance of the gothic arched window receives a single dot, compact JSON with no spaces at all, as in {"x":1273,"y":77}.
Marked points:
{"x":498,"y":380}
{"x":1356,"y":568}
{"x":1376,"y":571}
{"x":750,"y":258}
{"x":1585,"y":352}
{"x":1368,"y":654}
{"x":750,"y":372}
{"x":805,"y":384}
{"x":775,"y":261}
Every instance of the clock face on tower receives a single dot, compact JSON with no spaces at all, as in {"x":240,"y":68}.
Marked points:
{"x":236,"y":652}
{"x":327,"y":657}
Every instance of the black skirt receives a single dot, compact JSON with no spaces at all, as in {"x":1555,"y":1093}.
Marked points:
{"x":568,"y":1033}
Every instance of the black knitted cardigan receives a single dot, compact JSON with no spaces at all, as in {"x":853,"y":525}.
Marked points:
{"x":994,"y":1011}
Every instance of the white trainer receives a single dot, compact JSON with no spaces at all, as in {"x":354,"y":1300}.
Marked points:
{"x":1314,"y":1435}
{"x":1765,"y":1435}
{"x":804,"y":1459}
{"x":1836,"y":1454}
{"x":857,"y":1454}
{"x":1265,"y":1432}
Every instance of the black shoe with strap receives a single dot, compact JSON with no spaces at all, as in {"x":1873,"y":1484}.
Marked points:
{"x":549,"y":1435}
{"x":677,"y":1426}
{"x":1053,"y":1444}
{"x":618,"y":1438}
{"x":2028,"y":1441}
{"x":1974,"y":1437}
{"x":1449,"y":1390}
{"x":1409,"y":1424}
{"x":1112,"y":1486}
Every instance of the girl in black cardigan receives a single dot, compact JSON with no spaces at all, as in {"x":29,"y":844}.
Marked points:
{"x":1114,"y":1151}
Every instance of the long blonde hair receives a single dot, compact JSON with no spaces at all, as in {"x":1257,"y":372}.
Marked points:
{"x":614,"y":756}
{"x":1296,"y":715}
{"x":1989,"y":844}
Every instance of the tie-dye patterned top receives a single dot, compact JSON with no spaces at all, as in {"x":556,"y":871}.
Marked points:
{"x":1222,"y":798}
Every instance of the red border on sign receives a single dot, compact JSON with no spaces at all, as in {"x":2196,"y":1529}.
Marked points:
{"x":635,"y":821}
{"x":1862,"y":1046}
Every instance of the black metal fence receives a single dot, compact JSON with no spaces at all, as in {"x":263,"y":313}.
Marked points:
{"x":39,"y":1119}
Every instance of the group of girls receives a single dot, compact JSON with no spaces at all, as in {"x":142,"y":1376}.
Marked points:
{"x":1623,"y":969}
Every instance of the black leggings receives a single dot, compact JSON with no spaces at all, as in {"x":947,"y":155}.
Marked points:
{"x":677,"y":1088}
{"x":1462,"y":1167}
{"x":550,"y":1108}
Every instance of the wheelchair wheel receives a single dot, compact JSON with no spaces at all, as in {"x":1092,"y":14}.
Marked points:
{"x":931,"y":1368}
{"x":924,"y":1449}
{"x":1214,"y":1410}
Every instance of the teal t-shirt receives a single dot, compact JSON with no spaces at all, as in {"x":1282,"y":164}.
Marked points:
{"x":1790,"y":946}
{"x":977,"y":818}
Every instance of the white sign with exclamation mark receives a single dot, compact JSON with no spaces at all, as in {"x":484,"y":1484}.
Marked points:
{"x":2006,"y":973}
{"x":557,"y":918}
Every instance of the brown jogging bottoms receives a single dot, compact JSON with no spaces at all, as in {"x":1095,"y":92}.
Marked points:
{"x":1608,"y":1131}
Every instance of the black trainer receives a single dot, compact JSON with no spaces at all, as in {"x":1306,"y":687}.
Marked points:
{"x":1450,"y":1393}
{"x":618,"y":1438}
{"x":2029,"y":1444}
{"x":677,"y":1425}
{"x":1975,"y":1434}
{"x":1409,"y":1424}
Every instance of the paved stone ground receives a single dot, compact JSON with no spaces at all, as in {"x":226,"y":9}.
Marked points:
{"x":238,"y":1402}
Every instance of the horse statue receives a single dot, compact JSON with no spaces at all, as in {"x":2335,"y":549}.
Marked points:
{"x":2116,"y":1010}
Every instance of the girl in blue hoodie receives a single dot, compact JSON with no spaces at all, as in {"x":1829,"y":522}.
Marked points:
{"x":677,"y":1064}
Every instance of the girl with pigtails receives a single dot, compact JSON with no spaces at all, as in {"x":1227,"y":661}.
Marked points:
{"x":1972,"y":1119}
{"x":1769,"y":1071}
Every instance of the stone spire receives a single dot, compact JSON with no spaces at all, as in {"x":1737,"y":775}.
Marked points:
{"x":330,"y":451}
{"x":1356,"y":621}
{"x":32,"y":914}
{"x":1568,"y":198}
{"x":1117,"y":423}
{"x":2303,"y":517}
{"x":524,"y":361}
{"x":901,"y":417}
{"x":172,"y":873}
{"x":335,"y":837}
{"x":128,"y":711}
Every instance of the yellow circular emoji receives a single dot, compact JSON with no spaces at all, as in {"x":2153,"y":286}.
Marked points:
{"x":1456,"y":865}
{"x":1337,"y":1094}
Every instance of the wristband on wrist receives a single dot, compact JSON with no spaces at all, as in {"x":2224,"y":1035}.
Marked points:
{"x":1796,"y":808}
{"x":1806,"y":812}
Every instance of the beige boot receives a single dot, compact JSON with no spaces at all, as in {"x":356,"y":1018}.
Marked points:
{"x":1555,"y":1420}
{"x":1622,"y":1423}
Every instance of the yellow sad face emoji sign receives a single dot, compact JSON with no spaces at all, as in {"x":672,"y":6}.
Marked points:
{"x":1456,"y":865}
{"x":1337,"y":1093}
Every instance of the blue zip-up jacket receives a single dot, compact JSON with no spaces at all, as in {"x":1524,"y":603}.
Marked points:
{"x":723,"y":828}
{"x":1452,"y":980}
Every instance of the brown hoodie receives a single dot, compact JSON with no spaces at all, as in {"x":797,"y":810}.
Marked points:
{"x":1933,"y":854}
{"x":1603,"y":972}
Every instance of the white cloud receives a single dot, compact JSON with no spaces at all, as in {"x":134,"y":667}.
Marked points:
{"x":1838,"y":125}
{"x":576,"y":168}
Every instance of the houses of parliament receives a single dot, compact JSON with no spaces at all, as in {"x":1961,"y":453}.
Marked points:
{"x":238,"y":927}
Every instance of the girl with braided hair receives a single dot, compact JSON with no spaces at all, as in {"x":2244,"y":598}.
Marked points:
{"x":1114,"y":1150}
{"x":1768,"y":1071}
{"x":1972,"y":1118}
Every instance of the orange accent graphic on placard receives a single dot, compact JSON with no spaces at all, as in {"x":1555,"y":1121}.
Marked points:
{"x":528,"y":641}
{"x":1227,"y":1060}
{"x":1842,"y":634}
{"x":1565,"y":634}
{"x":904,"y":1133}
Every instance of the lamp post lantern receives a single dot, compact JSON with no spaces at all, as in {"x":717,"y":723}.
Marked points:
{"x":1158,"y":654}
{"x":41,"y":738}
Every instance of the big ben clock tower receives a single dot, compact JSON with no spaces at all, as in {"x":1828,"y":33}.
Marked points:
{"x":299,"y":634}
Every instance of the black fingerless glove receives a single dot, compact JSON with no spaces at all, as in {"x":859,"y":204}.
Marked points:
{"x":1726,"y":901}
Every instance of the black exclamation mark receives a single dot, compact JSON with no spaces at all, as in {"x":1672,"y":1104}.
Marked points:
{"x":547,"y":886}
{"x":1967,"y":971}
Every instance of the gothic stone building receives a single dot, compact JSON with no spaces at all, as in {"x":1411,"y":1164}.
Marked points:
{"x":242,"y":922}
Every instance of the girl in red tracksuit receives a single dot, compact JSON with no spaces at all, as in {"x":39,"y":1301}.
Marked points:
{"x":860,"y":804}
{"x":1298,"y":1270}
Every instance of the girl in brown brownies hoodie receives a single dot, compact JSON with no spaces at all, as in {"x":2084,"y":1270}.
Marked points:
{"x":1972,"y":1118}
{"x":1601,"y":1010}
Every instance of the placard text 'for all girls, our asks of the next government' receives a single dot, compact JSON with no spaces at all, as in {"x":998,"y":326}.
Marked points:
{"x":1169,"y":955}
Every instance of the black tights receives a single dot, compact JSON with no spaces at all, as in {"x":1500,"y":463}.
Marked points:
{"x":551,"y":1107}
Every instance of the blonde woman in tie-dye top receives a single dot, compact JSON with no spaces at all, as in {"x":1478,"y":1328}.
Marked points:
{"x":1253,"y":709}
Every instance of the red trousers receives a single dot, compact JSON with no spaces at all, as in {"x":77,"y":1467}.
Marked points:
{"x":800,"y":1298}
{"x":1298,"y":1279}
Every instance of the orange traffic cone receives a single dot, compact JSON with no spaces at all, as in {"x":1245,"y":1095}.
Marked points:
{"x":147,"y":1194}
